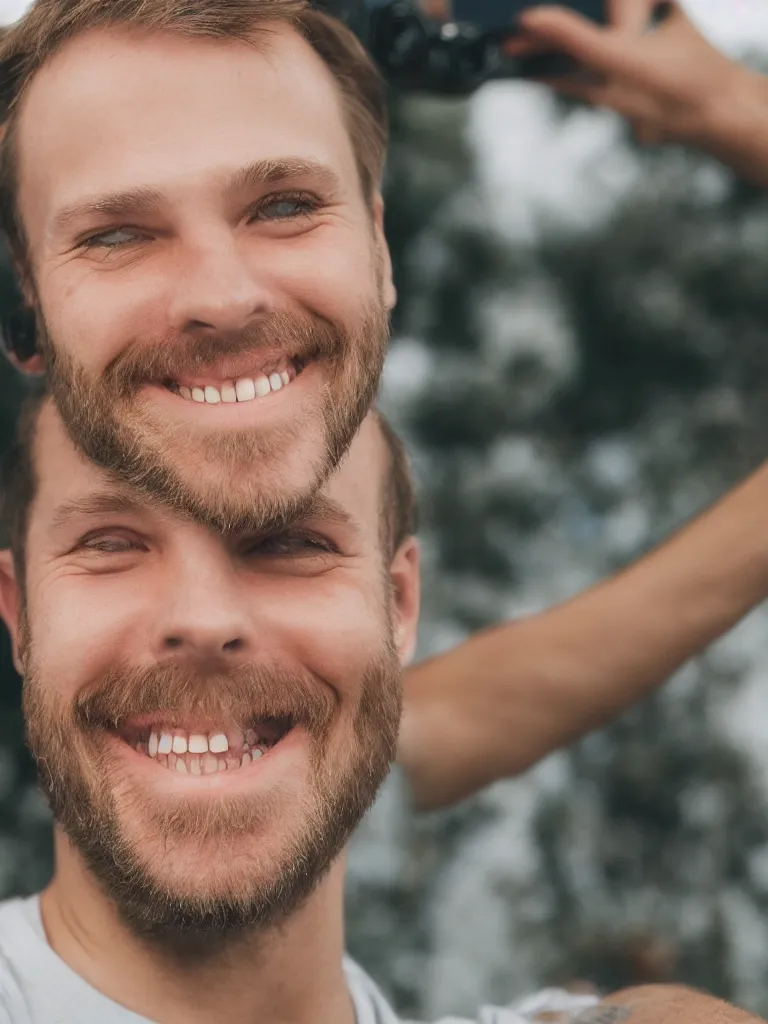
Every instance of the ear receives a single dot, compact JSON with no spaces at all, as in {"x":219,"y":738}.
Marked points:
{"x":24,"y":324}
{"x":10,"y":605}
{"x":382,"y":248}
{"x":32,"y":367}
{"x":405,"y":573}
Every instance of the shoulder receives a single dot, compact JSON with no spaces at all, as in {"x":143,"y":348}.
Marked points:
{"x":552,"y":1006}
{"x":19,"y":943}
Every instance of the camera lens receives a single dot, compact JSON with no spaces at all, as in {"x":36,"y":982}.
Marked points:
{"x":400,"y":40}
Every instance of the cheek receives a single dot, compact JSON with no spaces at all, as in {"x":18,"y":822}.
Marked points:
{"x":335,"y":276}
{"x":81,"y":634}
{"x":334,"y":632}
{"x":93,"y":317}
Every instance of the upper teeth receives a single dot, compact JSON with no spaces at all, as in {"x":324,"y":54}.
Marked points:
{"x":245,"y":389}
{"x":165,"y":742}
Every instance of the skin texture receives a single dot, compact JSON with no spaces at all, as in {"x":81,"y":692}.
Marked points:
{"x":665,"y":1004}
{"x":671,"y":84}
{"x":229,"y":238}
{"x":114,"y":579}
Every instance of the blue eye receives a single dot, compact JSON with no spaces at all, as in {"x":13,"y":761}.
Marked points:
{"x":111,"y":239}
{"x":286,"y":207}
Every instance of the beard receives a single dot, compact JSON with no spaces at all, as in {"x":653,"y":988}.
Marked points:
{"x":226,"y":480}
{"x":255,"y":859}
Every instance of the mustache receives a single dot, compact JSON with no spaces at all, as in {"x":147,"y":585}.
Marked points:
{"x":239,"y":697}
{"x":302,"y":338}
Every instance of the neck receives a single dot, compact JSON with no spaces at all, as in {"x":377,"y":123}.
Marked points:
{"x":290,"y":974}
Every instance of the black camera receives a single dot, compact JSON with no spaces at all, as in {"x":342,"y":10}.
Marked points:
{"x":450,"y":47}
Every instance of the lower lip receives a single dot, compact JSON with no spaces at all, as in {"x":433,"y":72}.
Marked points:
{"x":288,"y":757}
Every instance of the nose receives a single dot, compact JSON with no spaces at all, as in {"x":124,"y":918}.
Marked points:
{"x":214,"y":287}
{"x":203,"y":616}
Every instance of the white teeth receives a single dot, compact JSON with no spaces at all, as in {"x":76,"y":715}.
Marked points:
{"x":218,"y":743}
{"x":262,"y":386}
{"x":245,"y":390}
{"x":198,"y":754}
{"x":198,"y":744}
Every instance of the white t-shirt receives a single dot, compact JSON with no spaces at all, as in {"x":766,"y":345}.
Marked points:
{"x":37,"y":987}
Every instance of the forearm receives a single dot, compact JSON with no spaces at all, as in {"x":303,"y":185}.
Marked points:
{"x":499,"y":703}
{"x":735,"y":126}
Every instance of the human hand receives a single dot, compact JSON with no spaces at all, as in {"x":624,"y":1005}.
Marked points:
{"x":669,"y":82}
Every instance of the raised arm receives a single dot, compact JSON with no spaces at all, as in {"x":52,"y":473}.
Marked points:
{"x":669,"y":82}
{"x":499,"y":703}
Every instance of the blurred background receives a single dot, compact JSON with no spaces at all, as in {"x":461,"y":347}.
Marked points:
{"x":578,"y":365}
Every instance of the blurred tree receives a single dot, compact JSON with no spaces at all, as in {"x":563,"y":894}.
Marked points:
{"x":569,"y":401}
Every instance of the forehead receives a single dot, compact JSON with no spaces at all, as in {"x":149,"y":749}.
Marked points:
{"x":120,"y":108}
{"x":65,"y":477}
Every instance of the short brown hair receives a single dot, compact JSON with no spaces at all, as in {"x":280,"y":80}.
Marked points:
{"x":18,"y":486}
{"x":49,"y":24}
{"x":399,"y":513}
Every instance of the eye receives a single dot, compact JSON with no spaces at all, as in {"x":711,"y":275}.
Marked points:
{"x":286,"y":207}
{"x":111,"y":239}
{"x":290,"y":545}
{"x":110,"y":544}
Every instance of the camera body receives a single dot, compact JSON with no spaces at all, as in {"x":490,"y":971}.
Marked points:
{"x":450,"y":47}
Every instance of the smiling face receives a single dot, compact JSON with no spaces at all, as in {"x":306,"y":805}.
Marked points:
{"x":212,"y":284}
{"x":210,"y":717}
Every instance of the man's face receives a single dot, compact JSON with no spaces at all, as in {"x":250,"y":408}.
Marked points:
{"x":212,"y":284}
{"x":210,"y":717}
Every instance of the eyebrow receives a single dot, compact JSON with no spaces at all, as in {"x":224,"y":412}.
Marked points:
{"x":99,"y":503}
{"x":330,"y":511}
{"x":148,"y":200}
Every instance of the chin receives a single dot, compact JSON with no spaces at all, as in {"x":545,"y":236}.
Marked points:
{"x":224,"y":480}
{"x":195,"y":897}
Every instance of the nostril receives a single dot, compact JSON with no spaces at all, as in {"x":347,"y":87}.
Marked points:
{"x":173,"y":642}
{"x":233,"y":646}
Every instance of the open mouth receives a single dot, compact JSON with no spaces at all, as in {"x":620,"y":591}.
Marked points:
{"x":206,"y":752}
{"x":208,"y":390}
